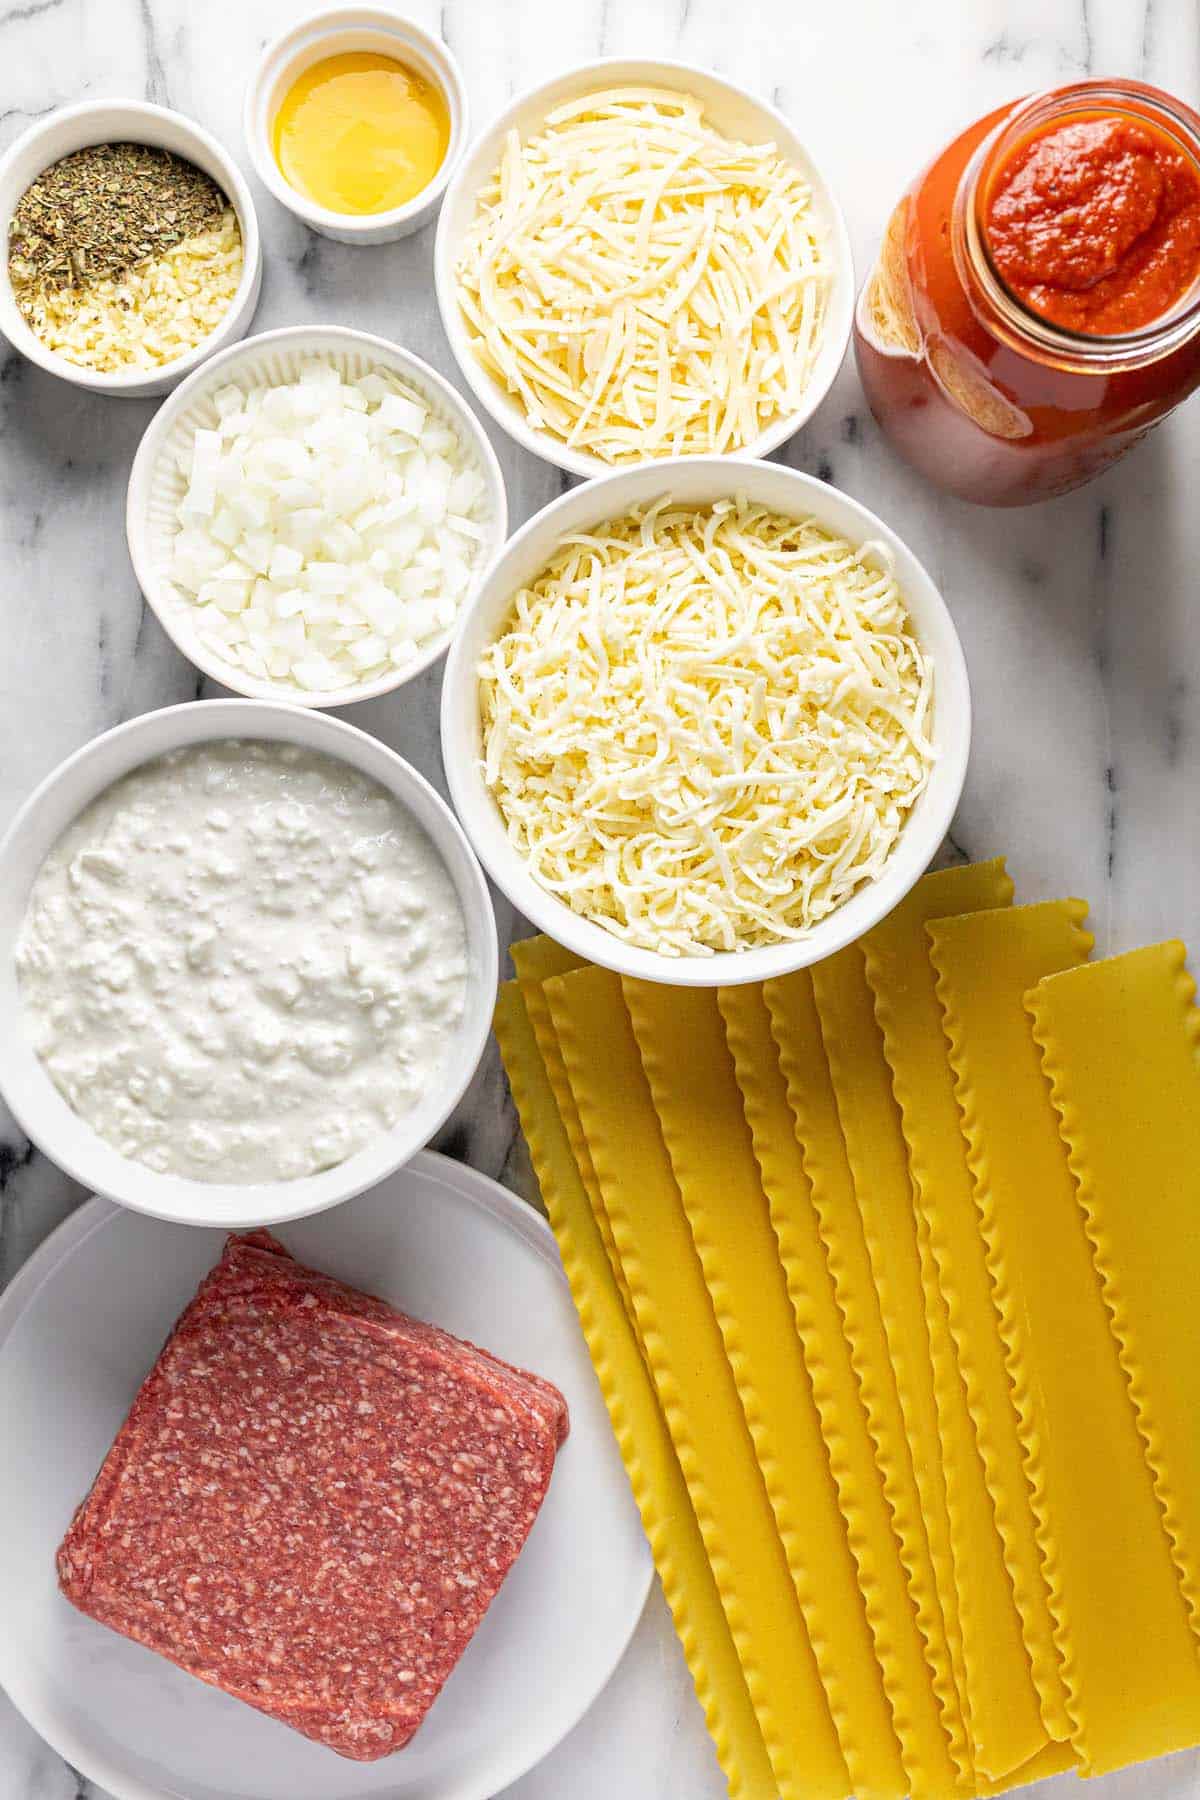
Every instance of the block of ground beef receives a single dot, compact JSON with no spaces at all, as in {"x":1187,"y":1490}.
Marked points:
{"x":314,"y":1500}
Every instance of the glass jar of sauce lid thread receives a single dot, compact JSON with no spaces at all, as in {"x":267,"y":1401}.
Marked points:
{"x":1035,"y":307}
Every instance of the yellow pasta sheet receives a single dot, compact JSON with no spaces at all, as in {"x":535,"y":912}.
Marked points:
{"x":536,"y":960}
{"x":1053,"y":1758}
{"x":1120,"y":1040}
{"x":844,"y":1424}
{"x":693,"y":1082}
{"x":1014,"y":1690}
{"x":913,"y":1493}
{"x":1131,"y":1673}
{"x":679,"y":1552}
{"x":695,"y":1383}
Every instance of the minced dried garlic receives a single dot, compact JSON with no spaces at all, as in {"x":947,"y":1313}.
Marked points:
{"x":152,"y":313}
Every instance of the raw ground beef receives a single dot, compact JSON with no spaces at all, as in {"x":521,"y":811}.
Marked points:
{"x":314,"y":1500}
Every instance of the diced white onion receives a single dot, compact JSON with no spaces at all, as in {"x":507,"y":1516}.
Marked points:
{"x":328,"y":528}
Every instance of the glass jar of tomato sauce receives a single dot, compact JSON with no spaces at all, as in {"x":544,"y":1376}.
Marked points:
{"x":1035,"y":307}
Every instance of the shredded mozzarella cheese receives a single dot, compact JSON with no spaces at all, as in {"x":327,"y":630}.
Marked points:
{"x":705,"y":729}
{"x":642,"y":285}
{"x":151,"y":314}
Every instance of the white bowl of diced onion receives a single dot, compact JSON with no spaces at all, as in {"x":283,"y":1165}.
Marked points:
{"x":698,"y":482}
{"x":735,"y":114}
{"x":292,"y":519}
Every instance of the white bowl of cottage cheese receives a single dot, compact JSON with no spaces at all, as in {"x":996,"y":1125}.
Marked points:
{"x":250,"y":958}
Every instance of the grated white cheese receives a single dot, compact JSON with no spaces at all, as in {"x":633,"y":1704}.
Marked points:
{"x":705,"y":729}
{"x":642,"y":285}
{"x":152,"y":313}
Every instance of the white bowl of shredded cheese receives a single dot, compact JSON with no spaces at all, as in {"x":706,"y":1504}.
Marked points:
{"x":71,"y":128}
{"x":706,"y":723}
{"x":640,"y":260}
{"x":309,"y":514}
{"x":242,"y":864}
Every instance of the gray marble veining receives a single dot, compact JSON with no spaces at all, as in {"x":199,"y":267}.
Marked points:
{"x":1080,"y":617}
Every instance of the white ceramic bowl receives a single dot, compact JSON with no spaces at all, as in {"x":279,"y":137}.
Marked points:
{"x":42,"y":1111}
{"x":126,"y":121}
{"x":699,"y":480}
{"x":332,"y":34}
{"x":156,"y":486}
{"x":734,"y":112}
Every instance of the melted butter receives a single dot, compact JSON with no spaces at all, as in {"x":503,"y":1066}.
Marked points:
{"x":361,"y":133}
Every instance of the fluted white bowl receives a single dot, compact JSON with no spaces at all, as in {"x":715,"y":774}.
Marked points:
{"x":157,"y":485}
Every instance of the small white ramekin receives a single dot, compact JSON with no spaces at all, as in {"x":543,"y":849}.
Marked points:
{"x":332,"y":34}
{"x":157,"y":484}
{"x":42,"y":1111}
{"x":734,"y":111}
{"x":120,"y":122}
{"x":698,"y":481}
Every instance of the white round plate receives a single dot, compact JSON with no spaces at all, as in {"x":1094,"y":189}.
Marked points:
{"x":79,"y":1328}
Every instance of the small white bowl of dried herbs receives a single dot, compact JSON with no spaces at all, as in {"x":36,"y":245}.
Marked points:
{"x":131,"y":247}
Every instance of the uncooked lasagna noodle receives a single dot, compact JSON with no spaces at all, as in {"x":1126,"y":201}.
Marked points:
{"x":661,"y":1493}
{"x":882,"y":1189}
{"x":693,"y":1081}
{"x":845,"y":1423}
{"x":1003,"y":1603}
{"x":1128,"y":1656}
{"x":695,"y":1384}
{"x":806,"y":1059}
{"x":536,"y":960}
{"x":1120,"y":1048}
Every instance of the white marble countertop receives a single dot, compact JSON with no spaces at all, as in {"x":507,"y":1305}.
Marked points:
{"x":1080,"y":618}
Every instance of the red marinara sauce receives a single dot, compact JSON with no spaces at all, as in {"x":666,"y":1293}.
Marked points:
{"x":1094,"y":224}
{"x":1035,"y":308}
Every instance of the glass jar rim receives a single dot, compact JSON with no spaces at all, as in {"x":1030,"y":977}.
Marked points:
{"x":1010,"y":316}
